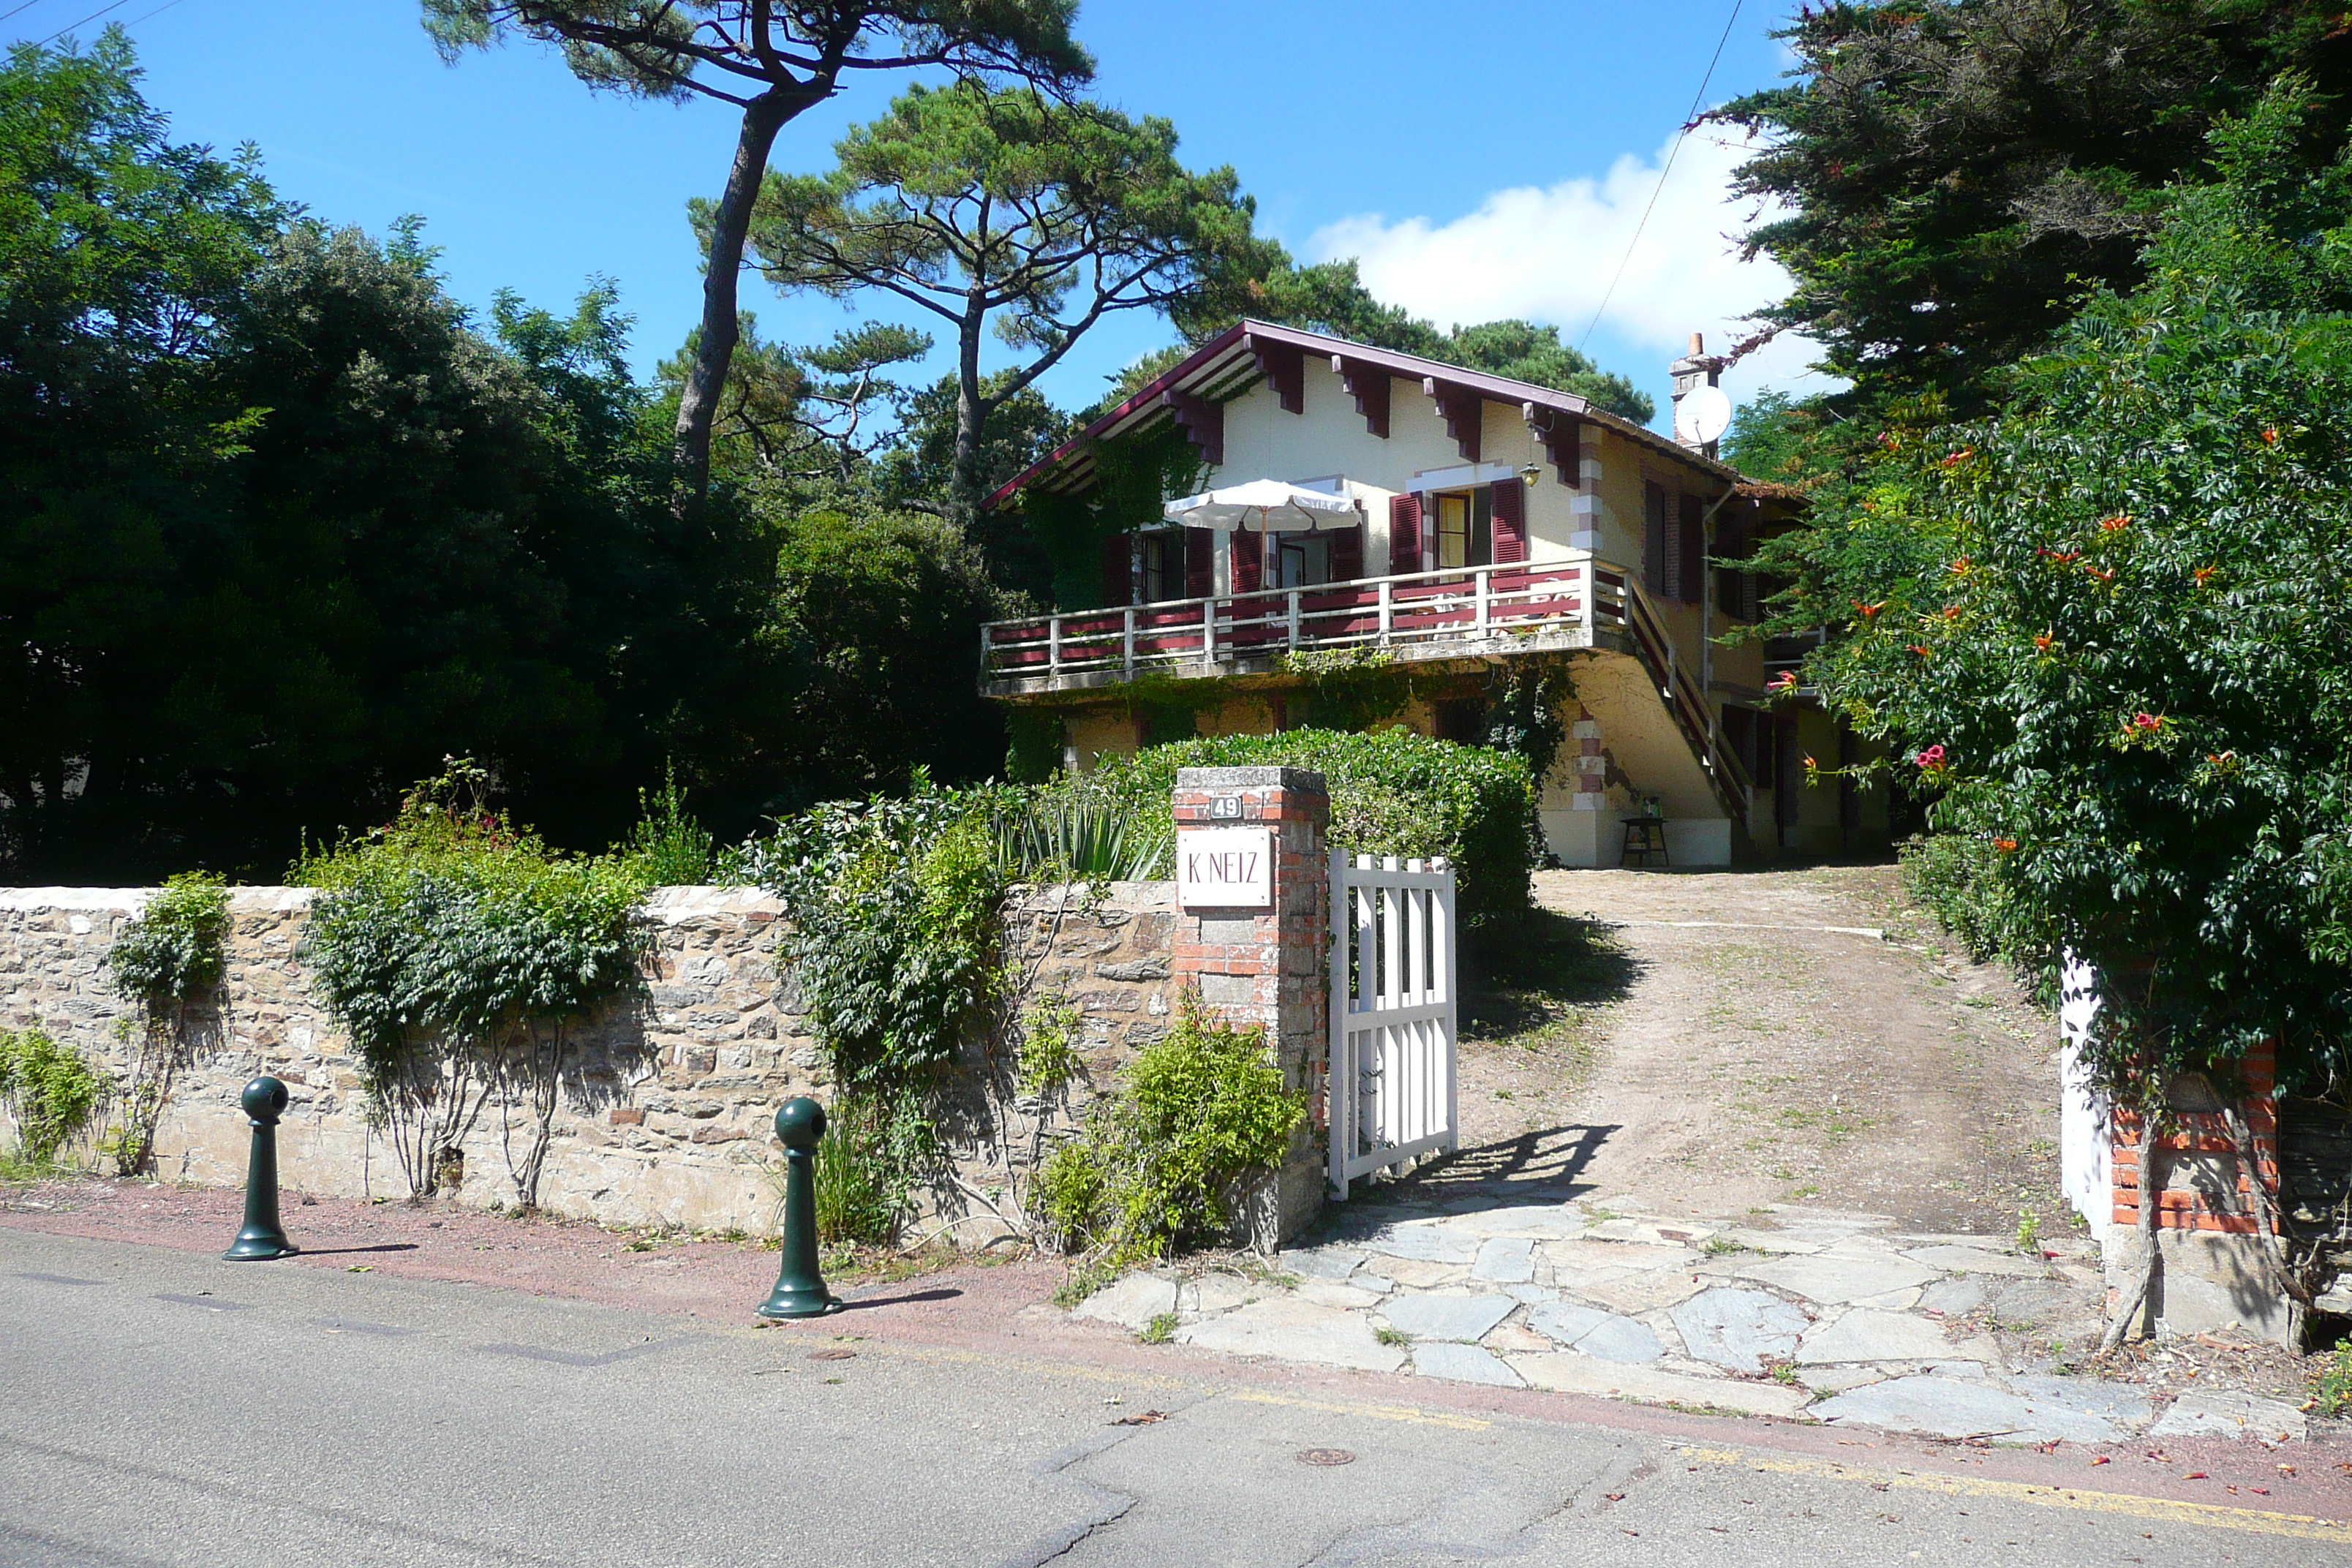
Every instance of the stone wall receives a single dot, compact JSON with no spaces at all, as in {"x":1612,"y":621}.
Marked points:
{"x":665,"y":1120}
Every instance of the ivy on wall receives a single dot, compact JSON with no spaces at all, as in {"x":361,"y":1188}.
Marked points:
{"x":457,"y":951}
{"x":1134,"y":476}
{"x":168,"y":964}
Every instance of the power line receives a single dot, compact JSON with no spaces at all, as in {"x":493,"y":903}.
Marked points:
{"x":1698,"y":100}
{"x":93,"y":16}
{"x":69,"y":27}
{"x":28,"y":6}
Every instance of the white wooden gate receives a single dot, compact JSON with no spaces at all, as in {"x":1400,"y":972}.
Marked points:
{"x":1392,"y":1004}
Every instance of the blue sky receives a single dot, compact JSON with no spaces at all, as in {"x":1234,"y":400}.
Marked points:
{"x":1484,"y":158}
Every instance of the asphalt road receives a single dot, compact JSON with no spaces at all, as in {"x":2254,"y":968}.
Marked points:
{"x":161,"y":1407}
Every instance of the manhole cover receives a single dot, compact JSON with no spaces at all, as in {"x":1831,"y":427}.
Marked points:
{"x":832,"y":1355}
{"x":1326,"y":1457}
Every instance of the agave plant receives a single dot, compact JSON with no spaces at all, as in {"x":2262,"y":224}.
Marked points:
{"x":1079,"y":835}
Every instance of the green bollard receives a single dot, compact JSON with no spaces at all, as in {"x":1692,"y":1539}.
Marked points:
{"x":799,"y":1289}
{"x":263,"y":1237}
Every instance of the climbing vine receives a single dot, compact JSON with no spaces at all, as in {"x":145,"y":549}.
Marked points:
{"x":1133,"y":476}
{"x":167,"y":963}
{"x":1350,"y":687}
{"x":460,"y":951}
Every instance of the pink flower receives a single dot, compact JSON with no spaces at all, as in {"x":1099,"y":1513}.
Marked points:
{"x":1932,"y":757}
{"x":2147,"y":721}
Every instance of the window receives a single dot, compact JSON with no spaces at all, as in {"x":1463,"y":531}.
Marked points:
{"x":1163,"y":565}
{"x":1465,"y":528}
{"x":1302,"y":561}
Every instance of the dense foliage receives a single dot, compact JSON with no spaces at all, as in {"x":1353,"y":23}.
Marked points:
{"x":1951,"y":176}
{"x":1197,"y":1115}
{"x":281,"y":524}
{"x":2107,"y":629}
{"x":50,"y":1092}
{"x":457,"y":950}
{"x":1393,"y":793}
{"x":175,"y":948}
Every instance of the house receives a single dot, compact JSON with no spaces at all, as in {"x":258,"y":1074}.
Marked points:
{"x":1496,"y":523}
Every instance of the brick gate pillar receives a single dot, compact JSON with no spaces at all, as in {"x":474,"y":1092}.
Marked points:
{"x":2214,"y":1274}
{"x":1263,"y":963}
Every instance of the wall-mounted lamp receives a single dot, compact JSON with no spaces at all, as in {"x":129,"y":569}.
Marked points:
{"x":1531,"y":473}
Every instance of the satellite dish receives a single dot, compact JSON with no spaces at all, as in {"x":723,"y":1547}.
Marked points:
{"x":1703,"y":415}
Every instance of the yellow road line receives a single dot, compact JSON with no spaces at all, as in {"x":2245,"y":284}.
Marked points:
{"x":1377,"y":1412}
{"x":2300,"y":1526}
{"x":1131,"y":1378}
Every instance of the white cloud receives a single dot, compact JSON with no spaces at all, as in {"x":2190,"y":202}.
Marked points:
{"x":1548,"y":255}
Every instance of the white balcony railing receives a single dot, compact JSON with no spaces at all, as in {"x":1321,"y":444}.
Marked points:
{"x":1418,"y":611}
{"x":1418,"y":607}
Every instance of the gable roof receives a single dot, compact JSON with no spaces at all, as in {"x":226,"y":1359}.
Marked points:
{"x":1231,"y":362}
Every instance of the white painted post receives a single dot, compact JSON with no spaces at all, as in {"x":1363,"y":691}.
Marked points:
{"x":1388,"y":611}
{"x":1443,"y":970}
{"x":1127,"y":638}
{"x":1208,"y":631}
{"x":1294,"y":620}
{"x":1054,"y":645}
{"x":1485,"y":606}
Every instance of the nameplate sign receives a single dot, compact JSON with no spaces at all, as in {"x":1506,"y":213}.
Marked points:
{"x":1225,"y":868}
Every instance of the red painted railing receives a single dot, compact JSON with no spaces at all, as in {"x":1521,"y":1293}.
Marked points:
{"x":1377,"y":611}
{"x":1462,"y":605}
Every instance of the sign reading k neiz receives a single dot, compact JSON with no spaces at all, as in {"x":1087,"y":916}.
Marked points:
{"x":1225,"y":868}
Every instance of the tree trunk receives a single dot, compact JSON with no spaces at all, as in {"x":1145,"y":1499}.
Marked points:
{"x":972,"y":421}
{"x":697,"y":405}
{"x":2154,"y":1173}
{"x":2285,"y":1274}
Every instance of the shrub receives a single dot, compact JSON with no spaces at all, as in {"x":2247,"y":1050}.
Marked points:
{"x":1080,"y":832}
{"x":1962,"y":880}
{"x":176,"y":948}
{"x":668,"y":847}
{"x":456,"y":949}
{"x":174,"y":953}
{"x":1199,"y":1113}
{"x":50,"y":1091}
{"x":1393,"y":793}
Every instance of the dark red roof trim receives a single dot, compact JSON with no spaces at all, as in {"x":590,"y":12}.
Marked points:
{"x":1229,"y":362}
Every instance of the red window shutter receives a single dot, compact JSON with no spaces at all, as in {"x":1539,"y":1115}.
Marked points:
{"x":1348,"y":555}
{"x":1404,"y":534}
{"x":1199,"y":563}
{"x":1119,"y":569}
{"x":1249,"y":561}
{"x":1654,"y":539}
{"x":1692,"y":579}
{"x":1510,"y":515}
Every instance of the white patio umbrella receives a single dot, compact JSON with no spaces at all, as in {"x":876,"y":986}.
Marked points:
{"x":1263,"y":506}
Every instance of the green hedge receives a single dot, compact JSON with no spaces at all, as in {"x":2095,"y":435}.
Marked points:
{"x":1393,"y":793}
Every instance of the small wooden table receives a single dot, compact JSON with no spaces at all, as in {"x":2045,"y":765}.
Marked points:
{"x":1645,"y":836}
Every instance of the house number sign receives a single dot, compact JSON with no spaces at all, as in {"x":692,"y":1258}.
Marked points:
{"x":1225,"y":868}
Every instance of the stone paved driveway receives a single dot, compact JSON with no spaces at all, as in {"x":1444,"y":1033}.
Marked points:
{"x":1810,"y":1314}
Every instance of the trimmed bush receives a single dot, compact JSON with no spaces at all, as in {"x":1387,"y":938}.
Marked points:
{"x":1393,"y":793}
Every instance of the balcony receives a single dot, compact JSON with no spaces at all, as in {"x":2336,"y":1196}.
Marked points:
{"x":1459,"y":613}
